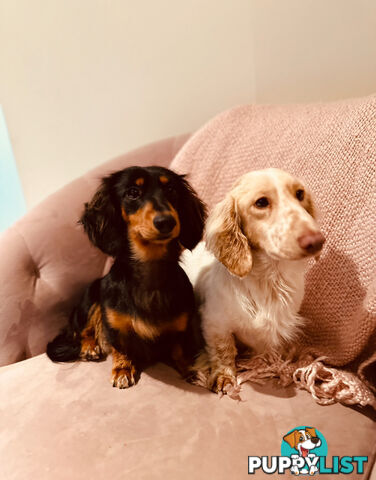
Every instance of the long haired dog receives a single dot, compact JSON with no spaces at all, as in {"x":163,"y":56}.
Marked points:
{"x":261,"y":235}
{"x":141,"y":311}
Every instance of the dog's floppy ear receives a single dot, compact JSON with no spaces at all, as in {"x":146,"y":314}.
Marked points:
{"x":291,"y":439}
{"x":309,"y":205}
{"x":311,"y":431}
{"x":102,"y":222}
{"x":225,"y":239}
{"x":192,"y":215}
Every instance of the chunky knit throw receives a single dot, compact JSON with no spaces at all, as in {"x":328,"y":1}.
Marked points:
{"x":332,"y":148}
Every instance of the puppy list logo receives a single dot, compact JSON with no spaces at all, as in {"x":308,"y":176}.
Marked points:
{"x":304,"y":451}
{"x":305,"y":446}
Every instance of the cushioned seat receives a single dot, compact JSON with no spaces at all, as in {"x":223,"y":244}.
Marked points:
{"x":67,"y":421}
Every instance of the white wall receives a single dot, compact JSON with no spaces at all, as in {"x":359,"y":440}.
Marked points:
{"x":309,"y":50}
{"x":82,"y":81}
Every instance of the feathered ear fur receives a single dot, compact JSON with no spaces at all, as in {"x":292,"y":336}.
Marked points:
{"x":102,"y":222}
{"x":310,"y":207}
{"x":225,"y":239}
{"x":192,"y":215}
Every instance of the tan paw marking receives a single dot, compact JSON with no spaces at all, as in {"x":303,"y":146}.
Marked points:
{"x":123,"y":377}
{"x":222,"y":382}
{"x":91,"y":351}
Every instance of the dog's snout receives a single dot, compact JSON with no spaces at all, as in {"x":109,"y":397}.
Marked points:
{"x":311,"y":242}
{"x":164,"y":223}
{"x":315,"y":440}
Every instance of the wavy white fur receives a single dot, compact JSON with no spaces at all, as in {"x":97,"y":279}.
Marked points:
{"x":252,"y":288}
{"x":261,"y":309}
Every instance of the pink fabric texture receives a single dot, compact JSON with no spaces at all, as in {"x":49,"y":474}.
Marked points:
{"x":332,"y":147}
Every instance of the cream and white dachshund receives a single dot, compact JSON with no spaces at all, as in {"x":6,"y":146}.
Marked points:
{"x":251,"y":285}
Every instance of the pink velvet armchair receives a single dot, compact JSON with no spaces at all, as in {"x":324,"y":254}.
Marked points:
{"x":66,"y":421}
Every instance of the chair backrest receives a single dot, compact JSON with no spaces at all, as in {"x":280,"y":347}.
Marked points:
{"x":332,"y":147}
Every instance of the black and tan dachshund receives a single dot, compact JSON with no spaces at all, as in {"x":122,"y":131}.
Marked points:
{"x":142,"y":311}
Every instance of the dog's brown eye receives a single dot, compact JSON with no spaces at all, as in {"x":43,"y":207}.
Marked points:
{"x":300,"y":195}
{"x":133,"y":193}
{"x":262,"y":202}
{"x":301,"y":439}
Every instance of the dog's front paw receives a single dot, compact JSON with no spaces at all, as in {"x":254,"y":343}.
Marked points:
{"x":91,"y":352}
{"x":221,"y":382}
{"x":123,"y":377}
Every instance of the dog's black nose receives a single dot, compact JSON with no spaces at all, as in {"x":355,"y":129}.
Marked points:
{"x":164,"y":223}
{"x":315,"y":440}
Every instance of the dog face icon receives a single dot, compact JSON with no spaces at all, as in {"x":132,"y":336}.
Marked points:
{"x":303,"y":440}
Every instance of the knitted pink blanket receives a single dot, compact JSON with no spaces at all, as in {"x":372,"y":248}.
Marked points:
{"x":332,"y":147}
